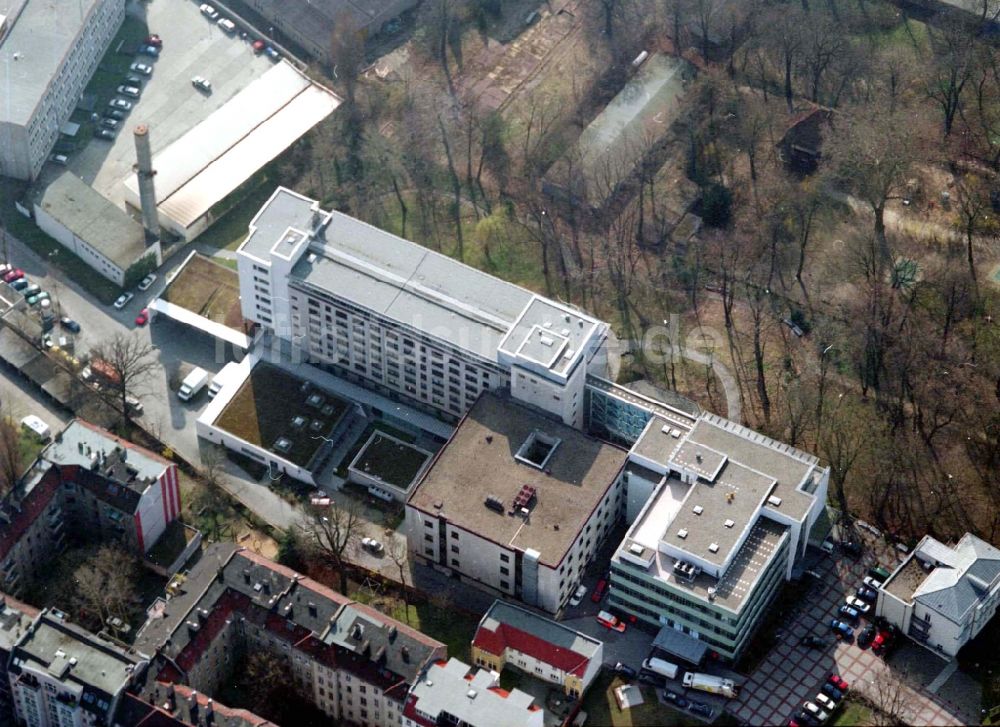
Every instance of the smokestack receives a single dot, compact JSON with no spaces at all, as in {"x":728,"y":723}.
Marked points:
{"x":147,"y":193}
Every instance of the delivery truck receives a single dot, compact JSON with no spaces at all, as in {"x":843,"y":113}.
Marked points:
{"x":192,"y":384}
{"x":712,"y":684}
{"x":229,"y":371}
{"x":661,"y":667}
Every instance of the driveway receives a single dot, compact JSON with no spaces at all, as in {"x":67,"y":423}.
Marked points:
{"x":791,"y":674}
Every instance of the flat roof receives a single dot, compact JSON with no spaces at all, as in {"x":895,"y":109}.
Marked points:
{"x":317,"y":19}
{"x":479,"y":461}
{"x":34,"y":50}
{"x":93,"y":218}
{"x":474,"y":698}
{"x":391,"y":461}
{"x":66,"y":450}
{"x":658,"y":441}
{"x":550,"y":335}
{"x":215,"y":157}
{"x":904,"y":582}
{"x":208,"y":290}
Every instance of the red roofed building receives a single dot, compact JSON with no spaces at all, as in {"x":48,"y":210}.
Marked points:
{"x":541,"y":647}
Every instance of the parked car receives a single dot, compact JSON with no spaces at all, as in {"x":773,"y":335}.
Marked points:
{"x":872,"y":583}
{"x":69,"y":324}
{"x":702,"y":709}
{"x":818,"y":714}
{"x":862,"y":607}
{"x":120,"y":103}
{"x":109,"y":123}
{"x":825,"y":703}
{"x":106,"y":134}
{"x":258,"y":47}
{"x":272,"y":54}
{"x":116,"y":114}
{"x":154,"y":40}
{"x":610,"y":621}
{"x":843,"y":630}
{"x":837,"y":681}
{"x":372,"y":546}
{"x":813,"y":642}
{"x":793,"y":328}
{"x":867,"y":636}
{"x":832,"y":692}
{"x":209,"y":12}
{"x":149,"y":50}
{"x":5,"y":268}
{"x":651,"y":678}
{"x":147,"y":281}
{"x":227,"y":25}
{"x":867,"y":594}
{"x":60,"y":159}
{"x":883,"y":640}
{"x":143,"y":317}
{"x":599,"y":590}
{"x":202,"y":84}
{"x":578,"y":595}
{"x":849,"y":613}
{"x":133,"y":80}
{"x":130,"y":91}
{"x":123,"y":300}
{"x":676,"y":698}
{"x":12,"y":275}
{"x":30,"y":290}
{"x":880,"y":573}
{"x":852,"y":548}
{"x":804,"y":718}
{"x":20,"y":284}
{"x":38,"y":298}
{"x":625,"y":670}
{"x":142,"y":68}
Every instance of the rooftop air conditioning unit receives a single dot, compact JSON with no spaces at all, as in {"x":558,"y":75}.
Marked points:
{"x":682,"y":533}
{"x":729,"y":523}
{"x":714,"y":548}
{"x":698,"y":509}
{"x":774,"y":500}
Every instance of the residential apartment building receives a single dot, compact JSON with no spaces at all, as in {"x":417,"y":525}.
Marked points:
{"x":60,"y":675}
{"x":15,"y":621}
{"x":177,"y":705}
{"x":408,"y":322}
{"x":352,"y":662}
{"x":47,"y":58}
{"x":509,"y":635}
{"x":516,"y":503}
{"x":729,"y":517}
{"x":453,"y":693}
{"x":942,"y":596}
{"x":32,"y":529}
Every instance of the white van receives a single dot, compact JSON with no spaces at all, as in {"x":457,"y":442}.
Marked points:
{"x":38,"y":427}
{"x":227,"y":25}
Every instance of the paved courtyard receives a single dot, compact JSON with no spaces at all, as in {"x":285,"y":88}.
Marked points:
{"x":792,"y":674}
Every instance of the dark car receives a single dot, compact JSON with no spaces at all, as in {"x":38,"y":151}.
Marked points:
{"x":867,"y":594}
{"x":106,"y":134}
{"x":843,"y":630}
{"x":116,"y":114}
{"x":149,"y":50}
{"x":625,"y":670}
{"x":803,"y":717}
{"x":848,"y":613}
{"x":651,"y":677}
{"x":700,"y":708}
{"x":852,"y":548}
{"x":867,"y":636}
{"x":832,"y":692}
{"x":599,"y":590}
{"x":69,"y":324}
{"x":813,"y":642}
{"x":676,"y":698}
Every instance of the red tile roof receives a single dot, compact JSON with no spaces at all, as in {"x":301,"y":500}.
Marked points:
{"x":509,"y":637}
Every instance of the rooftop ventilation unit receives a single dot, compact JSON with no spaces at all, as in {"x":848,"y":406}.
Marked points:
{"x":494,"y":503}
{"x":635,"y":549}
{"x":729,"y":523}
{"x":682,"y":533}
{"x":711,"y":591}
{"x":774,"y":500}
{"x":546,"y":340}
{"x":675,"y":433}
{"x":698,"y":509}
{"x":665,"y":429}
{"x":713,"y":548}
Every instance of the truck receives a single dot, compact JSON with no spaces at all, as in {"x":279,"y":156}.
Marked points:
{"x":661,"y":667}
{"x":221,"y":379}
{"x":104,"y":373}
{"x":39,"y":428}
{"x":711,"y":684}
{"x":192,"y":384}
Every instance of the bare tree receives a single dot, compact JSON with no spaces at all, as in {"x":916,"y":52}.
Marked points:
{"x":952,"y":68}
{"x":105,"y":583}
{"x":974,"y":208}
{"x":12,"y":462}
{"x":396,"y":551}
{"x":890,"y":698}
{"x":347,"y":49}
{"x":130,"y":361}
{"x":333,"y":531}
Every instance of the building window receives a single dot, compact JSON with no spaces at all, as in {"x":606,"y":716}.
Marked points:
{"x":429,"y":538}
{"x":504,"y":571}
{"x":504,"y":558}
{"x":454,"y":534}
{"x":454,"y":549}
{"x":504,"y":585}
{"x":454,"y":562}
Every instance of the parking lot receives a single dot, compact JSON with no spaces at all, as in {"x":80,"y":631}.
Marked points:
{"x":792,"y":674}
{"x":192,"y":46}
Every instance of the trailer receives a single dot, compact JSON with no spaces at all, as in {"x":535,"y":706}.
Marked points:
{"x":711,"y":684}
{"x":661,"y":667}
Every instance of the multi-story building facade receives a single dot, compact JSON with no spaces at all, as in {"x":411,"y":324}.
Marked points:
{"x":46,"y":60}
{"x":60,"y":674}
{"x":942,"y":596}
{"x":516,"y":503}
{"x":729,"y":517}
{"x":352,"y":662}
{"x":538,"y":646}
{"x":406,"y":321}
{"x":453,"y":693}
{"x":15,"y":621}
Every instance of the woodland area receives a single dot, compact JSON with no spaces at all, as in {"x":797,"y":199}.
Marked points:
{"x":856,"y":303}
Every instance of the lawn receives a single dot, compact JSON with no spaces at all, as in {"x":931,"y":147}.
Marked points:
{"x":231,"y":228}
{"x":30,"y":446}
{"x":602,"y":708}
{"x":341,"y":470}
{"x":392,"y":462}
{"x":851,"y":714}
{"x":48,"y":249}
{"x":208,"y":289}
{"x":273,"y":404}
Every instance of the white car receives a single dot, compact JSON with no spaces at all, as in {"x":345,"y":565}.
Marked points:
{"x":858,"y":605}
{"x":209,"y":12}
{"x":872,"y":583}
{"x":578,"y":596}
{"x":147,"y":281}
{"x":227,"y":25}
{"x":202,"y":83}
{"x":141,"y":68}
{"x":372,"y":546}
{"x":123,"y":300}
{"x":825,"y":702}
{"x":818,"y":714}
{"x":131,"y":91}
{"x":60,"y":159}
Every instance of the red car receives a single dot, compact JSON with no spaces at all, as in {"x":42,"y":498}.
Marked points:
{"x":154,"y":40}
{"x":838,"y":682}
{"x":259,"y":46}
{"x":599,"y":590}
{"x":143,"y":317}
{"x":15,"y":274}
